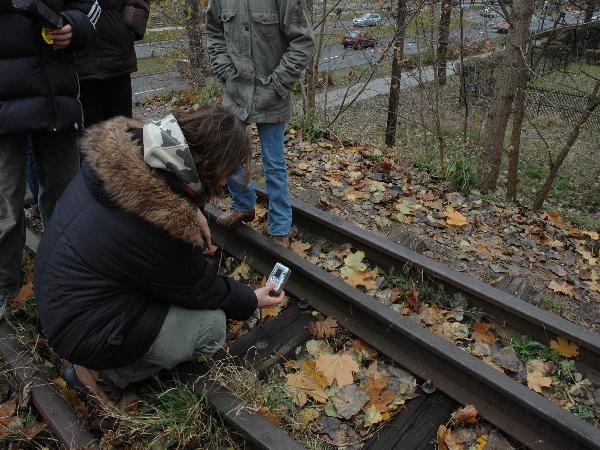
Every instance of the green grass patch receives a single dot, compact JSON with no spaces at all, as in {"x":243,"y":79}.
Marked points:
{"x":578,"y":77}
{"x":163,"y":35}
{"x":155,"y":64}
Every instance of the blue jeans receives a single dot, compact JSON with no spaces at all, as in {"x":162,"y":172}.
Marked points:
{"x":244,"y":197}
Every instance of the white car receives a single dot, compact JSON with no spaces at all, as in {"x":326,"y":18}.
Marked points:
{"x":488,"y":13}
{"x":368,"y":19}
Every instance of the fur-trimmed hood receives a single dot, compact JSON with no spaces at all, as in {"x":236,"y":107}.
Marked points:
{"x":117,"y":159}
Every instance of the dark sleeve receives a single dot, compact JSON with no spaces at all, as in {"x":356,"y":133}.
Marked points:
{"x":83,"y":16}
{"x":135,"y":17}
{"x":187,"y":280}
{"x":6,"y":6}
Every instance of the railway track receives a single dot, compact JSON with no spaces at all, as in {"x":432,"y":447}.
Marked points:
{"x":460,"y":378}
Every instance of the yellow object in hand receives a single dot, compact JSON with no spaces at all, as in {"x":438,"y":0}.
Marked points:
{"x":46,"y":34}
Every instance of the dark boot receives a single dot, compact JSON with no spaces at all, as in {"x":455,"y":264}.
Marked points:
{"x":233,"y":218}
{"x":282,"y":240}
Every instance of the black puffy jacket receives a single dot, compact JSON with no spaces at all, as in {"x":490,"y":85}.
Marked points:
{"x":120,"y":248}
{"x":122,"y":22}
{"x":39,"y":89}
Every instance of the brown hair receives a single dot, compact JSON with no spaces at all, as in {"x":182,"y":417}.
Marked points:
{"x":218,"y":142}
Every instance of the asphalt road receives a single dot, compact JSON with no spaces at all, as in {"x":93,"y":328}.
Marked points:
{"x":333,"y":57}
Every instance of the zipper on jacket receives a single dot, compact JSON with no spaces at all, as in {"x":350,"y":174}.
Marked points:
{"x":46,"y":81}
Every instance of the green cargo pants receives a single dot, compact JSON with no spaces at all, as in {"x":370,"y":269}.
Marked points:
{"x":185,"y":333}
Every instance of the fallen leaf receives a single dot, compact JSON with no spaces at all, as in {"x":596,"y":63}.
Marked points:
{"x":306,"y":382}
{"x":454,"y":218}
{"x":593,"y":235}
{"x":316,"y":348}
{"x":349,"y":400}
{"x":353,"y":263}
{"x":7,"y":412}
{"x":468,"y":414}
{"x":563,"y":288}
{"x":338,"y":368}
{"x":302,"y":166}
{"x":412,"y":298}
{"x":308,"y":415}
{"x":363,"y":279}
{"x":324,"y":329}
{"x":537,"y":381}
{"x":70,"y":395}
{"x":372,"y":417}
{"x":242,"y":271}
{"x":380,"y":398}
{"x":266,"y":412}
{"x":564,"y":348}
{"x":367,"y":352}
{"x":445,"y":440}
{"x":300,"y":247}
{"x":481,"y":442}
{"x":481,"y":333}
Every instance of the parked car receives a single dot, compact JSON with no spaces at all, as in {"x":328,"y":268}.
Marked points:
{"x":501,"y":26}
{"x":368,"y":19}
{"x":359,"y":40}
{"x":488,"y":13}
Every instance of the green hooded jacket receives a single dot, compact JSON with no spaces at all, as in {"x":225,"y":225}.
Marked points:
{"x":258,"y":48}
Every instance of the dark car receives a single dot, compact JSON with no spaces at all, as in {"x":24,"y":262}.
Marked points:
{"x":359,"y":40}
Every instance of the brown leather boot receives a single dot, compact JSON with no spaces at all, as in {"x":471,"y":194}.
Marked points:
{"x":234,"y":218}
{"x":283,"y":240}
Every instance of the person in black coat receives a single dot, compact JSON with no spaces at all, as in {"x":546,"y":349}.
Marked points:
{"x":105,"y":67}
{"x":38,"y":98}
{"x":121,"y":281}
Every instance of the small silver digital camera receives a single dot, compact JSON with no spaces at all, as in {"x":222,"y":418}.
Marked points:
{"x":279,"y":275}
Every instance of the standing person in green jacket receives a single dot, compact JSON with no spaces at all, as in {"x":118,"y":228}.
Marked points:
{"x":258,"y":49}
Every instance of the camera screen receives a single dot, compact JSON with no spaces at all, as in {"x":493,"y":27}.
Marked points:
{"x":277,"y":273}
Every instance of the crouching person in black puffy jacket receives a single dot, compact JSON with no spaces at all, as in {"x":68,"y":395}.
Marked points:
{"x":121,"y":282}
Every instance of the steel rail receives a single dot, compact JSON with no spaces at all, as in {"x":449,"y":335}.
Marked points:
{"x":256,"y":429}
{"x":528,"y":417}
{"x":519,"y":315}
{"x":53,"y":408}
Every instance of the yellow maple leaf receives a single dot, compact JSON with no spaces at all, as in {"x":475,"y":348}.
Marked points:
{"x":455,"y":218}
{"x":339,"y":368}
{"x":353,"y":263}
{"x":372,"y":416}
{"x":242,"y":271}
{"x":364,"y":279}
{"x":70,"y":395}
{"x":537,"y":381}
{"x":306,"y":382}
{"x":308,"y":415}
{"x":564,"y":348}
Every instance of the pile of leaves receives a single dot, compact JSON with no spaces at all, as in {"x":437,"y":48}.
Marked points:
{"x":490,"y":240}
{"x":465,"y":430}
{"x":20,"y":427}
{"x":242,"y":271}
{"x":343,"y":387}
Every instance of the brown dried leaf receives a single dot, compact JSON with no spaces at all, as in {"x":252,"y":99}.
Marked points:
{"x":24,"y":294}
{"x":380,"y":397}
{"x":266,"y":412}
{"x":300,"y":247}
{"x":323,"y":329}
{"x":70,"y":396}
{"x":537,"y":381}
{"x":454,"y":218}
{"x":412,"y":298}
{"x":563,"y":288}
{"x":445,"y":439}
{"x":339,"y":368}
{"x":481,"y":333}
{"x":7,"y":412}
{"x":368,"y":353}
{"x":468,"y":414}
{"x":363,"y":279}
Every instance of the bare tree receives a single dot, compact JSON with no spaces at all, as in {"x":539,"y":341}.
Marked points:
{"x":443,"y":34}
{"x":195,"y":11}
{"x":398,"y":48}
{"x":593,"y":101}
{"x":513,"y":64}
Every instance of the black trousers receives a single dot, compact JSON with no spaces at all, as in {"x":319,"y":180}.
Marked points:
{"x":103,"y":99}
